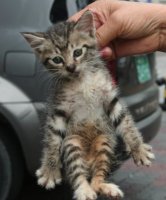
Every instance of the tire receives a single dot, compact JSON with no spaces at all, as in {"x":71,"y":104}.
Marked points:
{"x":11,"y":166}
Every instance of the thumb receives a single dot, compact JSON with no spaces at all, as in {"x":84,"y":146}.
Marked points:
{"x":106,"y":33}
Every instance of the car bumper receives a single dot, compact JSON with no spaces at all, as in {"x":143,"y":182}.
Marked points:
{"x":150,"y":125}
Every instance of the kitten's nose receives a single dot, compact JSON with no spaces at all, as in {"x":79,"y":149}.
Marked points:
{"x":70,"y":68}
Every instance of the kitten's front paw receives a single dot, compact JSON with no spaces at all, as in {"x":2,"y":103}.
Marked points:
{"x":143,"y":155}
{"x":48,"y":178}
{"x":85,"y":192}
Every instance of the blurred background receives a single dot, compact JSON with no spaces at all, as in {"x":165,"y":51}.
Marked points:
{"x":24,"y":86}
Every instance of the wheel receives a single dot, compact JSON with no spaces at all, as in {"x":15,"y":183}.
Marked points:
{"x":11,"y":166}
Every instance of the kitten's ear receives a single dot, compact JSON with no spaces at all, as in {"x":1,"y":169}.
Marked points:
{"x":86,"y":23}
{"x":36,"y":40}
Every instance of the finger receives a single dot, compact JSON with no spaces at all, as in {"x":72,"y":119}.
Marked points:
{"x":107,"y":32}
{"x":106,"y":53}
{"x":76,"y":16}
{"x":131,"y":47}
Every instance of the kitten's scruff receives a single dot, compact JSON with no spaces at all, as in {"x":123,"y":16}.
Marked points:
{"x":85,"y":117}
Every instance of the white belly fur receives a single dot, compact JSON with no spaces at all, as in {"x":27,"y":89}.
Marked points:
{"x":89,"y":97}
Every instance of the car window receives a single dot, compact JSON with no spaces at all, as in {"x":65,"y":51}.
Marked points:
{"x":61,"y":10}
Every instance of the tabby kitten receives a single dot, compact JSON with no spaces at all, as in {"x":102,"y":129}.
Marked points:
{"x":85,"y":115}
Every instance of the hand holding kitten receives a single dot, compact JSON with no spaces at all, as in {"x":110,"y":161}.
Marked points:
{"x":127,"y":28}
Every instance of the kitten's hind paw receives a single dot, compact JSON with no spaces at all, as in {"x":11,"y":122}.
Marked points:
{"x":48,"y":178}
{"x":85,"y":192}
{"x":143,"y":155}
{"x":110,"y":190}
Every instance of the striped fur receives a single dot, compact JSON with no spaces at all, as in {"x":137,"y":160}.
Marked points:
{"x":87,"y":129}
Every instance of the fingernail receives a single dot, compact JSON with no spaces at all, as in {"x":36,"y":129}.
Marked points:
{"x":103,"y":53}
{"x":106,"y":52}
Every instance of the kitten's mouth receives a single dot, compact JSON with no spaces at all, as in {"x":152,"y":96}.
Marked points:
{"x":75,"y":74}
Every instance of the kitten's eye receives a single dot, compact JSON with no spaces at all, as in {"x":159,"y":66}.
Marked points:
{"x":77,"y":53}
{"x":57,"y":60}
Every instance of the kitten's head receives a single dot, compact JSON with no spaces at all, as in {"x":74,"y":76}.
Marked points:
{"x":67,"y":48}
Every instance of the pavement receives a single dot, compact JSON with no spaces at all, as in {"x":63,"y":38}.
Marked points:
{"x":146,"y":183}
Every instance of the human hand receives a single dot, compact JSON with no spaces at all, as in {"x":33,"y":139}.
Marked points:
{"x":127,"y":28}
